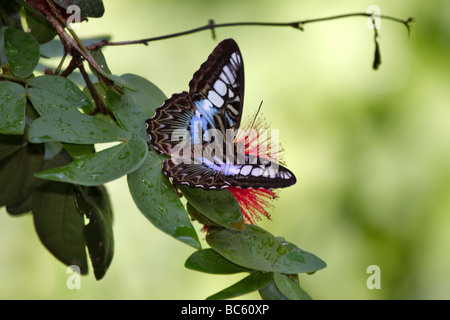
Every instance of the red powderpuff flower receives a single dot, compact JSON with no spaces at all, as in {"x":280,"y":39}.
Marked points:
{"x":254,"y":203}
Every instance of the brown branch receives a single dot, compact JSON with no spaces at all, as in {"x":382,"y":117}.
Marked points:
{"x":212,"y":26}
{"x":99,"y":105}
{"x":75,"y":63}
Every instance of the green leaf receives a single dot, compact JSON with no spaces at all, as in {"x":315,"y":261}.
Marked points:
{"x":56,"y":95}
{"x":156,"y":198}
{"x":289,"y":285}
{"x":88,"y":8}
{"x":10,"y":16}
{"x":257,"y":249}
{"x":128,"y":114}
{"x":137,"y":103}
{"x":78,"y":150}
{"x":22,"y":52}
{"x":101,"y":167}
{"x":209,"y":261}
{"x":271,"y":292}
{"x":253,"y":282}
{"x":10,"y":144}
{"x":16,"y":177}
{"x":143,"y":93}
{"x":196,"y":215}
{"x":218,"y":205}
{"x":58,"y":223}
{"x":94,"y":203}
{"x":75,"y":128}
{"x":292,"y":259}
{"x":100,"y":59}
{"x":12,"y":108}
{"x":40,"y":28}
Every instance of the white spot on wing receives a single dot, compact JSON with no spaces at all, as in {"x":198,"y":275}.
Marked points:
{"x":224,"y":78}
{"x":235,"y":58}
{"x":215,"y":98}
{"x":257,"y":172}
{"x":232,"y":109}
{"x":246,"y":170}
{"x":229,"y":74}
{"x":220,"y":87}
{"x":272,"y":172}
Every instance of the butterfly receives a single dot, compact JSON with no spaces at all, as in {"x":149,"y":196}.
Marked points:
{"x":214,"y":103}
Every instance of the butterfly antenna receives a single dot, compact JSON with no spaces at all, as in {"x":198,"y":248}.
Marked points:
{"x":256,"y":116}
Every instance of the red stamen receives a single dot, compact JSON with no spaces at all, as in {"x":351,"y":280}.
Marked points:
{"x":253,"y":202}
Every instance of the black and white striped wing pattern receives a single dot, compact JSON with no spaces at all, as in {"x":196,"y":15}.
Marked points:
{"x":214,"y":100}
{"x":217,"y":88}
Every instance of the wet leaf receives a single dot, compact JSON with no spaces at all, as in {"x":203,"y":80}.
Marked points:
{"x":257,"y":249}
{"x":156,"y":198}
{"x":75,"y":128}
{"x":218,"y":205}
{"x":22,"y":52}
{"x":101,"y":167}
{"x":12,"y":108}
{"x":58,"y":223}
{"x":93,"y":202}
{"x":209,"y":261}
{"x":143,"y":93}
{"x":129,"y":115}
{"x":56,"y":95}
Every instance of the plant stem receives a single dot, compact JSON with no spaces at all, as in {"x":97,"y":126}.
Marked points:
{"x":14,"y":79}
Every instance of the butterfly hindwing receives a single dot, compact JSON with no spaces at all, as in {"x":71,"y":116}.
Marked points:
{"x":176,"y":113}
{"x":209,"y":175}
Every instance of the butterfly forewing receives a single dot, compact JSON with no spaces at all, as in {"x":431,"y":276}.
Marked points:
{"x":217,"y":88}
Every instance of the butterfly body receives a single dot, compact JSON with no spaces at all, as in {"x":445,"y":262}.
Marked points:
{"x":203,"y":117}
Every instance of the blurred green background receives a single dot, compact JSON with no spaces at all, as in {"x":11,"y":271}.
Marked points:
{"x":370,"y":149}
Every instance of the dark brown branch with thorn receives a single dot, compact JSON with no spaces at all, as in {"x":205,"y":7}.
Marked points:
{"x":212,"y":26}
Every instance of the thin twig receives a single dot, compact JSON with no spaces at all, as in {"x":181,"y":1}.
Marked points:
{"x":75,"y":63}
{"x":59,"y":67}
{"x":99,"y":105}
{"x":212,"y":26}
